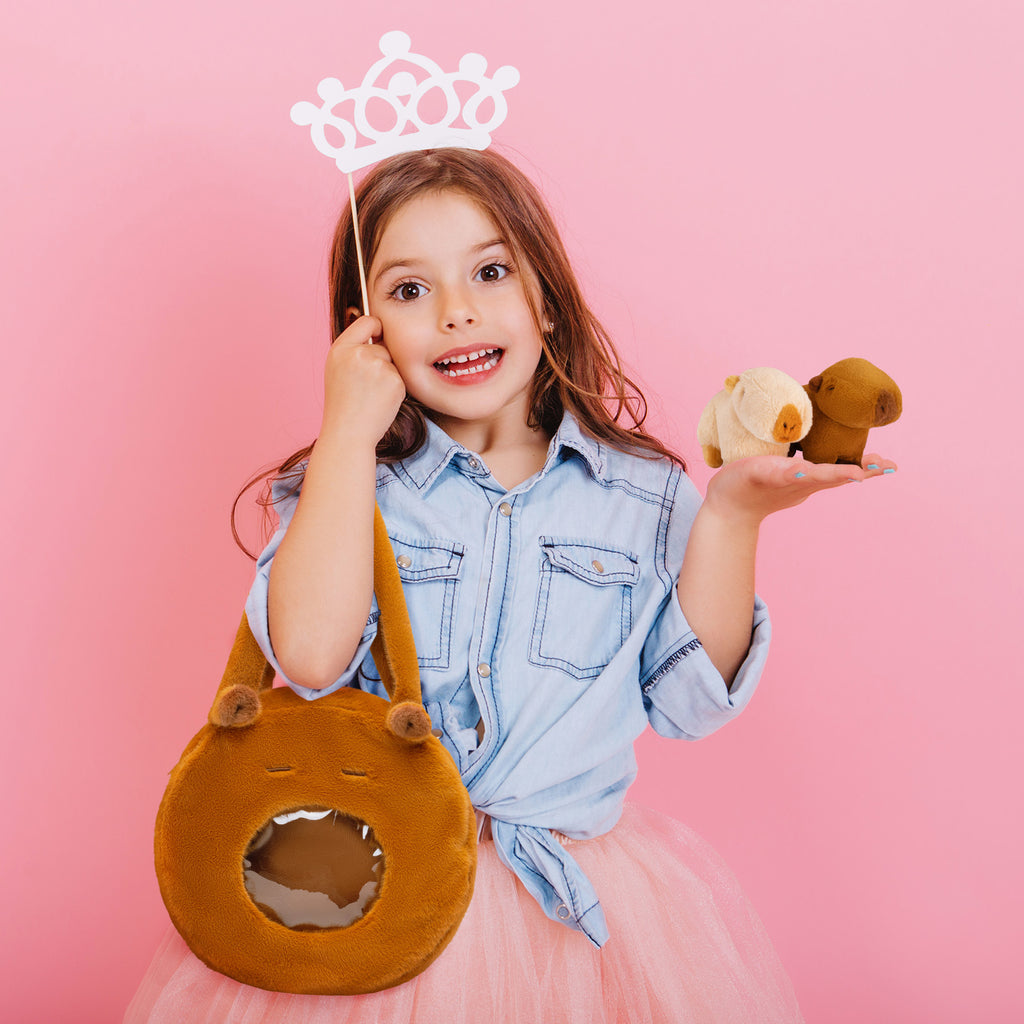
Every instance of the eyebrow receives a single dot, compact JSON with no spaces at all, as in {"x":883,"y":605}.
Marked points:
{"x":409,"y":261}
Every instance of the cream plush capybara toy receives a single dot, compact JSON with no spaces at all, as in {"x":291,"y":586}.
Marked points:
{"x":760,"y":412}
{"x":849,"y":398}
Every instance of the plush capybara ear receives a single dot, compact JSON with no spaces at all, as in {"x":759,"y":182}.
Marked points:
{"x":409,"y":721}
{"x":814,"y":384}
{"x":731,"y":381}
{"x":238,"y":697}
{"x":235,"y":706}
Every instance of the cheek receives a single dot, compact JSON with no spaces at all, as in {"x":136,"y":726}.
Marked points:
{"x":519,"y":317}
{"x":399,"y":339}
{"x":536,"y":343}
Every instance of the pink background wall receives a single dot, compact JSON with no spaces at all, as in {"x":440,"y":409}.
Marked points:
{"x":742,"y":183}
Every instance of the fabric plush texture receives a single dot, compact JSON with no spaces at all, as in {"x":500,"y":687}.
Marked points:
{"x":849,"y":398}
{"x":761,"y":411}
{"x":369,"y":771}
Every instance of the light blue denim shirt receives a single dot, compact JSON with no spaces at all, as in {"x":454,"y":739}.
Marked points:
{"x":548,"y":612}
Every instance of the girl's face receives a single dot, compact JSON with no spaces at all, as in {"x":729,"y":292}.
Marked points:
{"x":458,"y":314}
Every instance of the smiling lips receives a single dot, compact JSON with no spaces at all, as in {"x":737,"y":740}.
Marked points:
{"x":466,"y":364}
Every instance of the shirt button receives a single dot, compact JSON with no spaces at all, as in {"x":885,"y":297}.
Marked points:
{"x":562,"y":911}
{"x":484,"y":669}
{"x":473,"y":463}
{"x":598,"y":567}
{"x":404,"y":561}
{"x":505,"y":508}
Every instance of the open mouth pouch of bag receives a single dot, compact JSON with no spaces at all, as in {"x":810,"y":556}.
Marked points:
{"x":324,"y":846}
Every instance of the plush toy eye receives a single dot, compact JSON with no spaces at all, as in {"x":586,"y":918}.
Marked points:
{"x":313,"y":868}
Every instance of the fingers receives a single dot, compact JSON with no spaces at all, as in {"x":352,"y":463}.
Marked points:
{"x":819,"y":476}
{"x":363,"y":331}
{"x":363,"y":388}
{"x":823,"y":475}
{"x":876,"y":465}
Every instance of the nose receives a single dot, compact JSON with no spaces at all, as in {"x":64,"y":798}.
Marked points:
{"x":788,"y":425}
{"x":458,"y":311}
{"x":888,"y":407}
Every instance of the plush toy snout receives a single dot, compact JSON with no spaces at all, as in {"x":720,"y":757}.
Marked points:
{"x":887,"y":408}
{"x":789,"y":426}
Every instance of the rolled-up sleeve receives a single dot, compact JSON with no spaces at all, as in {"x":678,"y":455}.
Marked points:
{"x":285,"y":495}
{"x":684,"y":694}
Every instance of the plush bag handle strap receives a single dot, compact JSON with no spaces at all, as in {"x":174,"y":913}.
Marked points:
{"x":393,"y":649}
{"x":237,"y":702}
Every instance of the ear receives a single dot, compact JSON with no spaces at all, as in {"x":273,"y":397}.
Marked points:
{"x":731,"y":382}
{"x":409,"y":721}
{"x":235,"y":707}
{"x":352,"y":314}
{"x":814,"y":384}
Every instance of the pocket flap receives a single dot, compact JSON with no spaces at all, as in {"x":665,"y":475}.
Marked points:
{"x":594,"y":563}
{"x":427,"y":559}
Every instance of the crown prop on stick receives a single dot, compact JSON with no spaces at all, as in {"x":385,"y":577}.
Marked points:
{"x":400,"y":100}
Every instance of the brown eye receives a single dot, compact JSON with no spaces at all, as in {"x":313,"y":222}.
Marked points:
{"x":492,"y":272}
{"x":408,"y":291}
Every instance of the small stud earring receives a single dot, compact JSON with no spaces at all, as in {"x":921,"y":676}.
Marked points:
{"x":550,"y":326}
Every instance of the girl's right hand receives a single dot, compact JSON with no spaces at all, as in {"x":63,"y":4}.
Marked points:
{"x":362,"y":388}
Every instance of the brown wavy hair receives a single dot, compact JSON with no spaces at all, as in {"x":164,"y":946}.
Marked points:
{"x":579,"y":368}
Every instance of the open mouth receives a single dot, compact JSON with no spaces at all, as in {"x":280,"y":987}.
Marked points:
{"x":470,"y":362}
{"x":313,"y":868}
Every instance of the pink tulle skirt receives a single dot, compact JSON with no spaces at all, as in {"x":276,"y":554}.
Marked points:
{"x":686,"y":946}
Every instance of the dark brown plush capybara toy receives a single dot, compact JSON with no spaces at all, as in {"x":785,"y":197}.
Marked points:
{"x":849,"y":398}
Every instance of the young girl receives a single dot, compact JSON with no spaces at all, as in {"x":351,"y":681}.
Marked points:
{"x":565,"y":585}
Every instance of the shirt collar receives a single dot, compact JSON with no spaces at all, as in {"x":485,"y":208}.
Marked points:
{"x":570,"y":436}
{"x":424,"y":466}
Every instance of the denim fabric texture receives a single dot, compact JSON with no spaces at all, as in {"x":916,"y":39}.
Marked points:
{"x":549,"y":613}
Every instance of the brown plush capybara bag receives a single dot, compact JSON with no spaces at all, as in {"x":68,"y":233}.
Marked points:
{"x":324,"y":846}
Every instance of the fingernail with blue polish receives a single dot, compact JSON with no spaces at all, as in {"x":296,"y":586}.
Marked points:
{"x":800,"y":476}
{"x":888,"y":470}
{"x":873,"y":466}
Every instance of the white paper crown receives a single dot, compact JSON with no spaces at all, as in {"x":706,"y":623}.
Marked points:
{"x":404,"y":92}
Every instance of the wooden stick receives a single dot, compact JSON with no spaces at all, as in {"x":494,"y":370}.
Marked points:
{"x":359,"y":245}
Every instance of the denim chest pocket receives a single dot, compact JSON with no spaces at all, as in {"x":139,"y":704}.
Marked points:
{"x":584,"y":605}
{"x":429,"y":570}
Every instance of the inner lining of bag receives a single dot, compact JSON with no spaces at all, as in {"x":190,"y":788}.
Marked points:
{"x":313,"y":868}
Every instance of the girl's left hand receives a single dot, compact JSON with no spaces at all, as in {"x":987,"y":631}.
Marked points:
{"x":750,"y":489}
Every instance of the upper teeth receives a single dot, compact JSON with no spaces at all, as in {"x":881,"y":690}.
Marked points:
{"x":283,"y":819}
{"x":446,"y":365}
